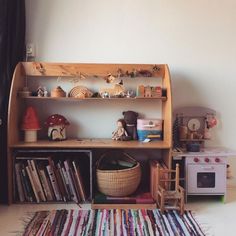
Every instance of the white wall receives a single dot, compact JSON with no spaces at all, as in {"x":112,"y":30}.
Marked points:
{"x":196,"y":38}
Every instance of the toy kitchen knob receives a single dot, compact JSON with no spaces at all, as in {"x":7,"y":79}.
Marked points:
{"x":207,"y":159}
{"x":217,"y":160}
{"x":196,"y":159}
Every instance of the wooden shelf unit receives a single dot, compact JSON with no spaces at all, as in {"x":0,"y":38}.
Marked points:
{"x":68,"y":70}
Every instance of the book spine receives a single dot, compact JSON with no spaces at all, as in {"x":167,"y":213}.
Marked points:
{"x":60,"y":184}
{"x":67,"y":193}
{"x":74,"y":182}
{"x":23,"y":180}
{"x":68,"y":171}
{"x":32,"y":183}
{"x":49,"y":184}
{"x":27,"y":185}
{"x":37,"y":180}
{"x":54,"y":183}
{"x":19,"y":182}
{"x":79,"y":181}
{"x":68,"y":187}
{"x":44,"y":182}
{"x":34,"y":169}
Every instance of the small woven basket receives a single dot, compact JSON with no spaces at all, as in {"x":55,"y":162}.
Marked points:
{"x":58,"y":92}
{"x":118,"y":183}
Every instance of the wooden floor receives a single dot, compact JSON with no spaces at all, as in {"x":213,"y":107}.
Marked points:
{"x":219,"y":217}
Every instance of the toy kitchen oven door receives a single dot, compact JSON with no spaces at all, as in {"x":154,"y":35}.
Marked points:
{"x":205,"y":175}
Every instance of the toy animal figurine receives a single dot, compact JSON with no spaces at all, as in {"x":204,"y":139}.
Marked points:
{"x":40,"y":92}
{"x":120,"y":133}
{"x":109,"y":78}
{"x":117,"y":90}
{"x":130,"y":118}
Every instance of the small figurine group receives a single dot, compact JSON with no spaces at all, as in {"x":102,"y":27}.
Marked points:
{"x":126,"y":127}
{"x":42,"y":92}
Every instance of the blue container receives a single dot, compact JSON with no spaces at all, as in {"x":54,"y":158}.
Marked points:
{"x":151,"y":134}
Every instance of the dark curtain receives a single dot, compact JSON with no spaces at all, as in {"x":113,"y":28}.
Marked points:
{"x":12,"y":50}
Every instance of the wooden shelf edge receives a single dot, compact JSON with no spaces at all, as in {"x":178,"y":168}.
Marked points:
{"x":123,"y":206}
{"x":93,"y":99}
{"x":87,"y":69}
{"x":93,"y":143}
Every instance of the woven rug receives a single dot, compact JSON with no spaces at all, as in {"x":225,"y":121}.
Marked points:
{"x":113,"y":223}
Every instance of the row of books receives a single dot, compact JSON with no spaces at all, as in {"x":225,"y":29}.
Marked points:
{"x":47,"y":180}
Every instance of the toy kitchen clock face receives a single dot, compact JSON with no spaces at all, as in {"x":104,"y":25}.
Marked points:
{"x":194,"y":124}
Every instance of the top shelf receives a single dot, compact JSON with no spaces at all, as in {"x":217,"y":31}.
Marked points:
{"x":93,"y":99}
{"x":93,"y":70}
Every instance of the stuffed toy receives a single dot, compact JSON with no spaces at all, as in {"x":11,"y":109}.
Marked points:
{"x":130,"y":118}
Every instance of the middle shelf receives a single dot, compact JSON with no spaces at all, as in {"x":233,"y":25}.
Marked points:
{"x":93,"y":99}
{"x":93,"y":143}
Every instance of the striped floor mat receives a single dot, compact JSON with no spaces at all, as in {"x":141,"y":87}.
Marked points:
{"x":113,"y":223}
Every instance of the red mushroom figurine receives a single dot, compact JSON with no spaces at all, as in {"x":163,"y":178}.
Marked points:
{"x":56,"y":127}
{"x":30,"y":124}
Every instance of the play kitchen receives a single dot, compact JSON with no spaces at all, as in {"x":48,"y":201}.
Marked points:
{"x":204,"y":167}
{"x":206,"y":172}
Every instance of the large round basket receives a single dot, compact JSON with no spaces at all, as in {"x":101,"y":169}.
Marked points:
{"x":118,"y":183}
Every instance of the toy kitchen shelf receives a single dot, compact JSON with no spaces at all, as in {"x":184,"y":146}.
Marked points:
{"x":42,"y":70}
{"x":191,"y":127}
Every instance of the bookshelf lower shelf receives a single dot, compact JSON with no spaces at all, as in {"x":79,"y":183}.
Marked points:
{"x":123,"y":206}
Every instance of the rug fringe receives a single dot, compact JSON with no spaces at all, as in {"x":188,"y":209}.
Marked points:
{"x":25,"y":221}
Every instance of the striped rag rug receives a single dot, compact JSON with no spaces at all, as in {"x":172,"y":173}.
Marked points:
{"x":114,"y":222}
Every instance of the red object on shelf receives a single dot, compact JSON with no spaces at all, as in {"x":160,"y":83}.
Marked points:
{"x":56,"y":119}
{"x":30,"y":120}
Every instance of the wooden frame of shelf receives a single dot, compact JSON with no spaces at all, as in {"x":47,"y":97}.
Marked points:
{"x":93,"y":143}
{"x":68,"y":70}
{"x":124,"y":206}
{"x":94,"y":99}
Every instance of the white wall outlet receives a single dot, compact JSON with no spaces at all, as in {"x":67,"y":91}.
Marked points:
{"x":30,"y":50}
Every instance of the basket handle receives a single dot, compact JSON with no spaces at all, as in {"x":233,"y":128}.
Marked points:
{"x":105,"y":153}
{"x":100,"y":159}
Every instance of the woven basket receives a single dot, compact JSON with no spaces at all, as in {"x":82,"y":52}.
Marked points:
{"x":118,"y":183}
{"x":58,"y":92}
